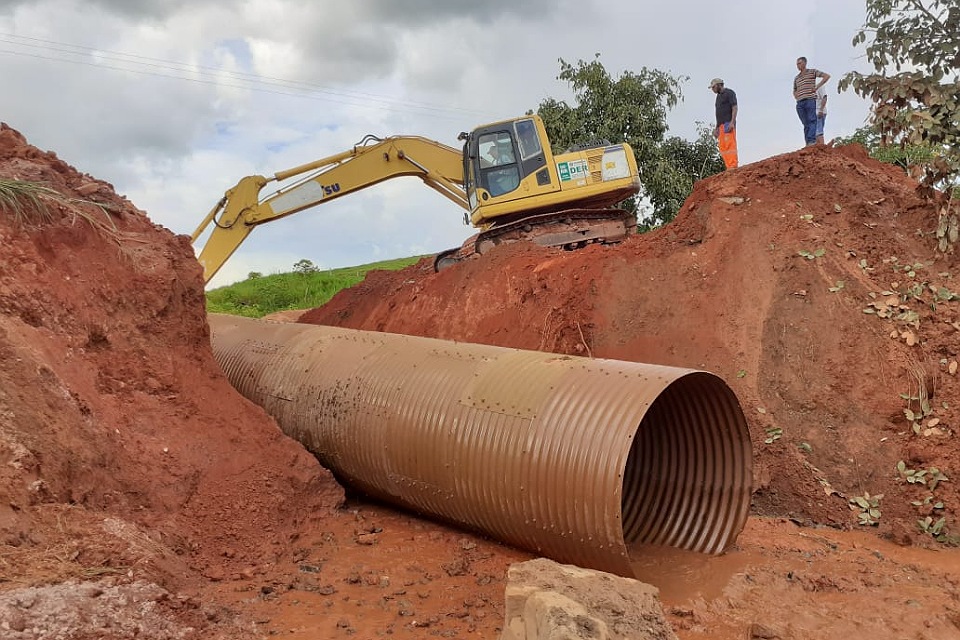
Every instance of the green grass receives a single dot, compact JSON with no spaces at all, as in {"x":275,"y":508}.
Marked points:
{"x":259,"y":295}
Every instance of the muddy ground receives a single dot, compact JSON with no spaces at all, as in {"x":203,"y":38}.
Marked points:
{"x":141,"y":495}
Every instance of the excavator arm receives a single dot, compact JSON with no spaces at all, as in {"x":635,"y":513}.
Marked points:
{"x":371,"y":161}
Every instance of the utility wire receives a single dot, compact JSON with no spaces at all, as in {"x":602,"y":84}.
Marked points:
{"x":192,"y":68}
{"x":175,"y":70}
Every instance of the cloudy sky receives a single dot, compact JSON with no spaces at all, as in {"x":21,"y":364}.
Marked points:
{"x":173,"y":101}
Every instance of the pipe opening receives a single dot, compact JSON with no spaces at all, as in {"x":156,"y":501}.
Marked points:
{"x":688,"y":473}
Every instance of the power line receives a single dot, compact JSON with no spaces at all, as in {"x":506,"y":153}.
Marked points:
{"x":175,"y":70}
{"x":191,"y":68}
{"x":217,"y":83}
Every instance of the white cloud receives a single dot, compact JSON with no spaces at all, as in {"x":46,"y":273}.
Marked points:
{"x":174,"y":101}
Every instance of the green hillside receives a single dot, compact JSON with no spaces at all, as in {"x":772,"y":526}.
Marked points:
{"x":305,"y":288}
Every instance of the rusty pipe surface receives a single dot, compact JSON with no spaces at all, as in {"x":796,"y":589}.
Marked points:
{"x":571,"y":458}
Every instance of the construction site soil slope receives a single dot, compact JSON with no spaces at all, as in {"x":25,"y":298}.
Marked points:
{"x":141,"y":496}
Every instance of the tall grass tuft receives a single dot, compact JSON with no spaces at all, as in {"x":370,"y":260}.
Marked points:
{"x":28,"y":202}
{"x":34,"y":204}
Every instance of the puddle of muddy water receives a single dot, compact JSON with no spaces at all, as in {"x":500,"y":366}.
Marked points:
{"x":683,"y":576}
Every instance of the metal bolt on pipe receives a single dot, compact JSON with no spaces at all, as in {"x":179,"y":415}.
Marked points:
{"x":572,"y":458}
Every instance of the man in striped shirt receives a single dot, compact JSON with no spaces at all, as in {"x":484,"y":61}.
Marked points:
{"x":805,"y":87}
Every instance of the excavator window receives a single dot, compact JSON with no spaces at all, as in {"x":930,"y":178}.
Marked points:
{"x":527,"y":138}
{"x":499,"y":173}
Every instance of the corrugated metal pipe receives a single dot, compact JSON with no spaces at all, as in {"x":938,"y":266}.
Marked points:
{"x":572,"y":458}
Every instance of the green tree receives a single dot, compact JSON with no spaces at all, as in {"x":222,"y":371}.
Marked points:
{"x":679,"y":164}
{"x":632,"y":108}
{"x":305,"y":266}
{"x":915,"y":50}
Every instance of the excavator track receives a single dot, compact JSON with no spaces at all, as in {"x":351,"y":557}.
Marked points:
{"x":570,"y":229}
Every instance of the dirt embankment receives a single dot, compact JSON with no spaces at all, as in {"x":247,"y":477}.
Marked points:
{"x":122,"y":447}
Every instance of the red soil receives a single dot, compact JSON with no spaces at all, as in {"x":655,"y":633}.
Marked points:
{"x":127,"y":460}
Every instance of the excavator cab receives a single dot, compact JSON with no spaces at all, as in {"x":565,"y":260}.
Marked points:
{"x":498,"y":160}
{"x":517,"y":189}
{"x":511,"y":173}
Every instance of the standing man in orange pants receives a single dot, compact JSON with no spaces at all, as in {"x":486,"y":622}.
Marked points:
{"x":726,"y":127}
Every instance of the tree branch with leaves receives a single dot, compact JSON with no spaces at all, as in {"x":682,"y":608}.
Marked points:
{"x":918,"y":105}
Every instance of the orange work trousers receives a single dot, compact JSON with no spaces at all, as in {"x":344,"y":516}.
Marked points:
{"x":728,"y":146}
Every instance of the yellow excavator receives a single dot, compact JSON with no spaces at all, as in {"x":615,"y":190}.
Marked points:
{"x":506,"y":179}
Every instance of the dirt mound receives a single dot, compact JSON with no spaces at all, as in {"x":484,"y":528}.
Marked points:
{"x":809,"y":281}
{"x":122,"y":446}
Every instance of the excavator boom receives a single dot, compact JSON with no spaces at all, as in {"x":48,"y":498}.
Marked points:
{"x":372,"y":161}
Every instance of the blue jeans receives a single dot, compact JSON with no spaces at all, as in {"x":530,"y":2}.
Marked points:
{"x":821,"y":120}
{"x":807,"y":112}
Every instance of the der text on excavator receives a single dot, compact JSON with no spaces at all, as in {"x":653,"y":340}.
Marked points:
{"x":507,"y":180}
